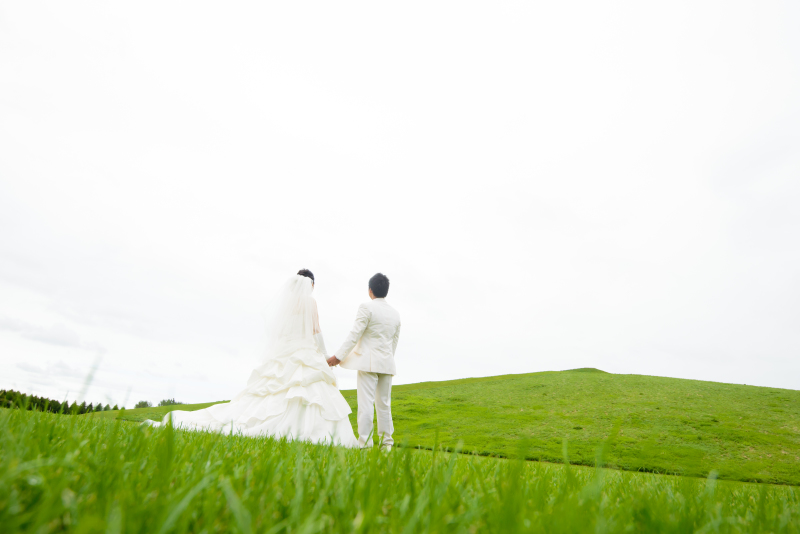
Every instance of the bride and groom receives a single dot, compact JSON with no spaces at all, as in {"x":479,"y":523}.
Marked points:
{"x":293,"y":393}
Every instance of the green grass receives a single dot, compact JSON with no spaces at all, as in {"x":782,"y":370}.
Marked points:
{"x":665,"y":425}
{"x":93,"y":474}
{"x":154,"y":413}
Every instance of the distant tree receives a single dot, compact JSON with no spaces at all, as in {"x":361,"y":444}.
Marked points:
{"x":115,"y":407}
{"x":23,"y":401}
{"x":169,"y":402}
{"x":107,"y":408}
{"x":143,"y":404}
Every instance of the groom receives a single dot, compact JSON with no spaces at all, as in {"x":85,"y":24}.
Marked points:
{"x":369,"y":349}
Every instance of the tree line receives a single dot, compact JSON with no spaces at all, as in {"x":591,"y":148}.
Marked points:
{"x":23,"y":401}
{"x":165,"y":402}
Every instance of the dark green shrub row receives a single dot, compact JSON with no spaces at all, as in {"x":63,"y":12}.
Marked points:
{"x":23,"y":401}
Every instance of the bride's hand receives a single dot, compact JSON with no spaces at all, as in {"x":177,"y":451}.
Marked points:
{"x":333,"y":361}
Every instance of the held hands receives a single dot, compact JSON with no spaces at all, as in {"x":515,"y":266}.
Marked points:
{"x":333,"y":361}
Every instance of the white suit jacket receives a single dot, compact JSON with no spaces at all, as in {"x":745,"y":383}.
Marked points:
{"x":371,"y":344}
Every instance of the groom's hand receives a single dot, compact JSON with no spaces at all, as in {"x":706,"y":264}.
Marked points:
{"x":333,"y":361}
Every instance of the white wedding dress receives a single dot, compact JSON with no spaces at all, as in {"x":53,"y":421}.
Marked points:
{"x":293,"y":394}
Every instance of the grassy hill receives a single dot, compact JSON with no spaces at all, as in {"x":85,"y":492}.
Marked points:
{"x":154,"y":413}
{"x":654,"y":424}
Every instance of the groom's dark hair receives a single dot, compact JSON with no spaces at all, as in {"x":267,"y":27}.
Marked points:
{"x":307,"y":274}
{"x":379,"y":284}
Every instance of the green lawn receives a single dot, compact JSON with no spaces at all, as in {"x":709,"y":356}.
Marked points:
{"x":155,"y":413}
{"x":663,"y":425}
{"x":93,"y":474}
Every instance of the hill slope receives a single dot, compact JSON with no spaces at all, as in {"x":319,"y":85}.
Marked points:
{"x":665,"y":425}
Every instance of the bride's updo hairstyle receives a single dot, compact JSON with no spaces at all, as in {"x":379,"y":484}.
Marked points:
{"x":308,"y":274}
{"x":379,"y":284}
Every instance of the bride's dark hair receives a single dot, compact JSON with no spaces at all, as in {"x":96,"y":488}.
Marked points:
{"x":306,"y":273}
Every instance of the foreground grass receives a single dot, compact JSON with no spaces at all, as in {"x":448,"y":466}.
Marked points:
{"x":665,"y":425}
{"x":84,"y":474}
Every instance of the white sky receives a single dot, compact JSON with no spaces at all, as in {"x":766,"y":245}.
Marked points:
{"x":549,"y":185}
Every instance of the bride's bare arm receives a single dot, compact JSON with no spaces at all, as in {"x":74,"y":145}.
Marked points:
{"x":315,"y":316}
{"x":318,"y":332}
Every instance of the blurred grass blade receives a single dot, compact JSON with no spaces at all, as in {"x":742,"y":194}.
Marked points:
{"x":242,"y":516}
{"x":176,"y":512}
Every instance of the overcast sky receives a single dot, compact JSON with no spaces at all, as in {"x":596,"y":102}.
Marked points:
{"x":548,"y":185}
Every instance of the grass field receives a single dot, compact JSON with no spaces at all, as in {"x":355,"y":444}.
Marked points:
{"x":662,"y":425}
{"x":154,"y":413}
{"x":93,"y":474}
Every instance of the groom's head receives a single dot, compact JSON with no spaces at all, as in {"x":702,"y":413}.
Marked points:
{"x":379,"y":285}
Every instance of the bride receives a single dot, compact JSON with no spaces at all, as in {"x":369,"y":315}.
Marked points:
{"x":293,"y":393}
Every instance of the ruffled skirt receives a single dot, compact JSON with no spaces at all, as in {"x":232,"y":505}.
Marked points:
{"x":293,"y":396}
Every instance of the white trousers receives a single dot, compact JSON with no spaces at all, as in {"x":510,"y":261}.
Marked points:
{"x":375,"y":389}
